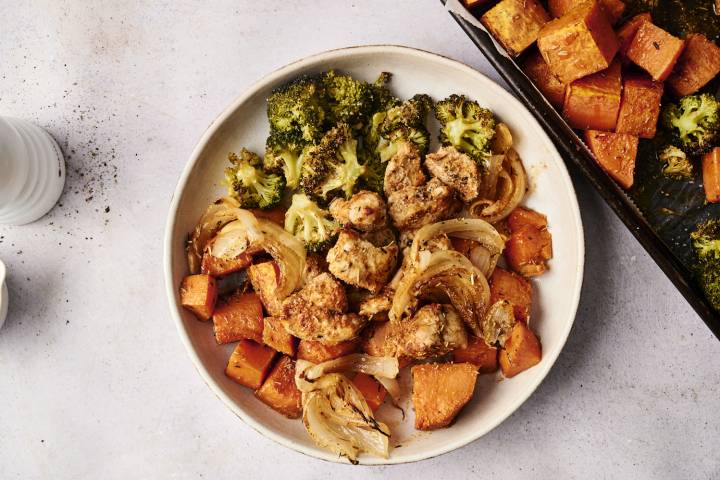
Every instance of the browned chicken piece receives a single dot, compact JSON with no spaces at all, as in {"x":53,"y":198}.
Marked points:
{"x":314,"y":266}
{"x":317,"y":312}
{"x":365,"y":211}
{"x":433,"y":331}
{"x":413,"y":207}
{"x":403,"y":169}
{"x":360,"y":263}
{"x":456,"y":170}
{"x":376,"y":307}
{"x":380,"y":238}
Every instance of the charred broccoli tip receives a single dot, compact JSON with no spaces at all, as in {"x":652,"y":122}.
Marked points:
{"x":253,"y":187}
{"x":466,"y":126}
{"x":694,"y":122}
{"x":311,"y":224}
{"x":676,"y":164}
{"x":706,"y":242}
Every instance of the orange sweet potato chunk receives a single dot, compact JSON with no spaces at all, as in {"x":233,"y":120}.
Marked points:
{"x":522,"y":216}
{"x":521,"y":351}
{"x":640,"y":106}
{"x":317,"y":352}
{"x":626,"y":33}
{"x":593,"y":102}
{"x":612,"y":8}
{"x":579,"y":43}
{"x":371,"y":389}
{"x":655,"y":50}
{"x":473,"y":4}
{"x":711,"y":175}
{"x":239,"y":317}
{"x":198,"y":294}
{"x":440,"y":391}
{"x":615,"y":153}
{"x":250,"y":363}
{"x":479,"y":353}
{"x":275,"y":336}
{"x":264,"y":280}
{"x":515,"y":23}
{"x":218,"y":267}
{"x":698,"y":64}
{"x":530,"y":244}
{"x":515,"y":289}
{"x":538,"y":71}
{"x":279,"y":391}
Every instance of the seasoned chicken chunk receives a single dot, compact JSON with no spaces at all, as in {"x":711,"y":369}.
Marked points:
{"x":413,"y":207}
{"x":376,"y":307}
{"x":403,"y":169}
{"x":317,"y":312}
{"x":360,"y":263}
{"x":433,"y":331}
{"x":456,"y":170}
{"x":365,"y":211}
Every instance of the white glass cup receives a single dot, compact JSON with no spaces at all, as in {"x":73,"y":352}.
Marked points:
{"x":32,"y":172}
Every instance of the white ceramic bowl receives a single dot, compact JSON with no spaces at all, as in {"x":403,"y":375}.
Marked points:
{"x":556,"y":293}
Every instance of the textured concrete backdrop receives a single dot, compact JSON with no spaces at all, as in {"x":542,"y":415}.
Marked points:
{"x":94,"y":381}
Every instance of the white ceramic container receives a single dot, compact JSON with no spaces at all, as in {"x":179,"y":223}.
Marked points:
{"x":32,"y":172}
{"x":556,"y":293}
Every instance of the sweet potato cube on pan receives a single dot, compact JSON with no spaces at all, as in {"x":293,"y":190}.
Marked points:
{"x":472,"y":4}
{"x":264,"y":279}
{"x":279,"y":391}
{"x":626,"y":33}
{"x":615,"y":153}
{"x":612,"y":8}
{"x":579,"y":43}
{"x":530,"y":244}
{"x":655,"y":50}
{"x":640,"y":106}
{"x":479,"y":353}
{"x":521,"y":351}
{"x":371,"y":389}
{"x":593,"y":102}
{"x":515,"y":23}
{"x":698,"y":64}
{"x":239,"y":317}
{"x":218,"y":267}
{"x":317,"y":352}
{"x":538,"y":71}
{"x":198,"y":294}
{"x":711,"y":175}
{"x":440,"y":391}
{"x":275,"y":336}
{"x":515,"y":289}
{"x":250,"y":363}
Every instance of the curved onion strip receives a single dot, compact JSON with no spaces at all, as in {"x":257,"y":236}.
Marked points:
{"x":235,"y":237}
{"x":483,"y":260}
{"x":502,"y":140}
{"x":386,"y":367}
{"x":470,"y":228}
{"x":393,"y":388}
{"x":287,"y":251}
{"x":509,"y":192}
{"x":488,"y":179}
{"x":217,"y":215}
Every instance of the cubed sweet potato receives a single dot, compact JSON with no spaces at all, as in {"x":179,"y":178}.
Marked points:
{"x":317,"y":352}
{"x":371,"y":389}
{"x":615,"y":153}
{"x":698,"y":64}
{"x":279,"y":391}
{"x":515,"y":23}
{"x":655,"y":50}
{"x":275,"y":336}
{"x":711,"y":175}
{"x":640,"y":106}
{"x":521,"y":351}
{"x":239,"y":317}
{"x":593,"y":102}
{"x":440,"y":391}
{"x":627,"y":32}
{"x":250,"y":363}
{"x":612,"y":8}
{"x":515,"y":289}
{"x":218,"y":267}
{"x":538,"y":71}
{"x":264,"y":279}
{"x":479,"y":353}
{"x":474,"y":4}
{"x":580,"y":43}
{"x":198,"y":294}
{"x":530,"y":244}
{"x":276,"y":214}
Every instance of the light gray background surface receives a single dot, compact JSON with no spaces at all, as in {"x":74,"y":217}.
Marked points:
{"x":94,"y":382}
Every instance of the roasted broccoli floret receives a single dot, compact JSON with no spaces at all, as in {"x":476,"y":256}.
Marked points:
{"x":348,"y":100}
{"x":676,"y":164}
{"x":332,"y":167}
{"x":402,"y":123}
{"x":706,"y":242}
{"x":253,"y":187}
{"x":466,"y":126}
{"x":284,"y":155}
{"x":694,"y":122}
{"x":298,"y":108}
{"x":383,"y":98}
{"x":310,"y":223}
